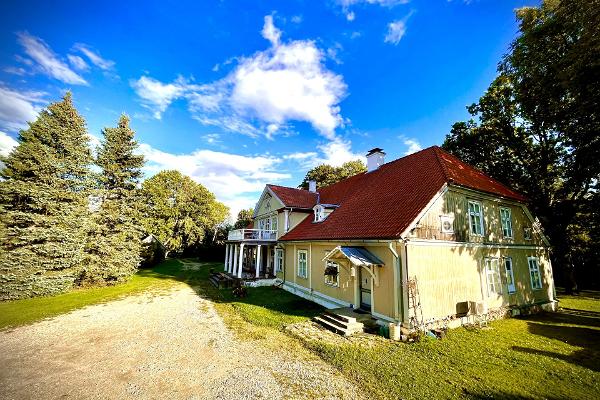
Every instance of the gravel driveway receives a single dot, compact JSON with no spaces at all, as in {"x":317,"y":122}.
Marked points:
{"x":171,"y":346}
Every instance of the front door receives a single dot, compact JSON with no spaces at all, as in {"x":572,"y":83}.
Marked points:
{"x":365,"y":290}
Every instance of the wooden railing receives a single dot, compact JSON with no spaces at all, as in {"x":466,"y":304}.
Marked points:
{"x":252,"y":234}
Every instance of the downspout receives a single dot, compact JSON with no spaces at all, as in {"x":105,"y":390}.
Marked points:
{"x":397,"y":289}
{"x":404,"y":286}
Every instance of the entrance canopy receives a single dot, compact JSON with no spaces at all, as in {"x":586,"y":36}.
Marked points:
{"x":358,"y":256}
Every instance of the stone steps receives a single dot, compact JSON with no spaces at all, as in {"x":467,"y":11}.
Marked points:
{"x":340,"y":324}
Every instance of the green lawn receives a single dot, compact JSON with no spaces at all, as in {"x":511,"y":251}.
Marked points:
{"x":555,"y":355}
{"x":20,"y":312}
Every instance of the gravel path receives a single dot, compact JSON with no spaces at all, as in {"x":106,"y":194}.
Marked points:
{"x":169,"y":346}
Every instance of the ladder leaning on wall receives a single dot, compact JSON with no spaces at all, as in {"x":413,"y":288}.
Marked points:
{"x":414,"y":304}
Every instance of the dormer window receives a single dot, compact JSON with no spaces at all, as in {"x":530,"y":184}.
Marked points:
{"x":319,"y":213}
{"x":322,"y":211}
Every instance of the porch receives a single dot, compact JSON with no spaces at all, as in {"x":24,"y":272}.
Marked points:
{"x":250,"y":260}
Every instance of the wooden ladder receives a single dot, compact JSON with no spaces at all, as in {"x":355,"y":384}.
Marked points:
{"x":414,"y":304}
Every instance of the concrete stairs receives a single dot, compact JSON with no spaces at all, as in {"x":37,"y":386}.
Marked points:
{"x":221,"y":280}
{"x":340,"y":324}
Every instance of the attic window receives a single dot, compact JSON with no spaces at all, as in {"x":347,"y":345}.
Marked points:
{"x":319,"y":213}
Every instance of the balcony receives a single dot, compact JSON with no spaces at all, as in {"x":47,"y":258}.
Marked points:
{"x":241,"y":235}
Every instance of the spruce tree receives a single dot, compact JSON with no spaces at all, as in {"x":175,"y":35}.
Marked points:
{"x":114,"y":242}
{"x":43,"y":204}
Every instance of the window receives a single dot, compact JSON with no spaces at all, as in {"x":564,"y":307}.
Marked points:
{"x":527,"y":233}
{"x":534,"y":273}
{"x":447,"y":223}
{"x":510,"y":277}
{"x":274,"y":223}
{"x":319,"y":213}
{"x":332,"y":271}
{"x":476,"y":218}
{"x":278,"y":260}
{"x":506,"y":220}
{"x":302,"y":263}
{"x":492,"y":274}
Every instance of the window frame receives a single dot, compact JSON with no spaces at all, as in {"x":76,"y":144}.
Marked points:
{"x":337,"y":276}
{"x":512,"y":275}
{"x":279,"y":260}
{"x":496,"y":283}
{"x":508,"y":221}
{"x":537,"y":271}
{"x":527,"y":233}
{"x":305,"y":253}
{"x":473,"y":214}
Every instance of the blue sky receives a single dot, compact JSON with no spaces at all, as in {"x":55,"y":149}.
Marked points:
{"x":237,"y":94}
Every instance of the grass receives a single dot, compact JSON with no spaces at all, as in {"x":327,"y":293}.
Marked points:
{"x":21,"y":312}
{"x":551,"y":356}
{"x":554,"y":356}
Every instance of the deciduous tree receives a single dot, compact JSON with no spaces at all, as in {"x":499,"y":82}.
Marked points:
{"x":326,"y":175}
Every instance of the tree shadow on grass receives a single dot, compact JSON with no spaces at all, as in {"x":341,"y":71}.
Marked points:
{"x":575,"y":327}
{"x":269,"y":297}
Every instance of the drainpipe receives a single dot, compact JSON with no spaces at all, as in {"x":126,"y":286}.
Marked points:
{"x":403,"y":281}
{"x":397,"y":289}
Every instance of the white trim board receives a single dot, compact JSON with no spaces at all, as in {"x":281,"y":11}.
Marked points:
{"x":314,"y":296}
{"x":425,"y":209}
{"x":445,"y":243}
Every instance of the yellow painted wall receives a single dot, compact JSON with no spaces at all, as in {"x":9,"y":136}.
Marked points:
{"x":454,"y":202}
{"x":383,"y":295}
{"x":268,"y":205}
{"x":447,"y":275}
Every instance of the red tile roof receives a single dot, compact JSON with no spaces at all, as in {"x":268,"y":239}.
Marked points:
{"x":382,"y":204}
{"x":292,"y":197}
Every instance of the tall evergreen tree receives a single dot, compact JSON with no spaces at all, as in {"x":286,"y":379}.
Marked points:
{"x":114,"y":239}
{"x":43,"y":204}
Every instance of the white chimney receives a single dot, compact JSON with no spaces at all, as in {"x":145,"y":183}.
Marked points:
{"x":375,"y":159}
{"x":312,"y":186}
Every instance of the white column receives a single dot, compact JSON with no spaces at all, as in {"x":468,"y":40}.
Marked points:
{"x":226,"y":257}
{"x":235,"y":259}
{"x":230,"y":263}
{"x":241,"y":261}
{"x":258,"y":247}
{"x":269,"y":260}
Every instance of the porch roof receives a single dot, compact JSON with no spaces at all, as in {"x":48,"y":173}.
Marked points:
{"x":358,"y":256}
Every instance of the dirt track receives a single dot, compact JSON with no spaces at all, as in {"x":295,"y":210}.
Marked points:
{"x":173,"y":346}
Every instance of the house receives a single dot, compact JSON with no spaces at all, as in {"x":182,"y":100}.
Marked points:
{"x":419,"y":239}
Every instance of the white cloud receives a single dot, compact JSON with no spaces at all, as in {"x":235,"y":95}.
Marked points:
{"x":94,"y":57}
{"x":296,"y":19}
{"x":235,"y":180}
{"x":270,"y":32}
{"x":157,"y":96}
{"x":20,"y":71}
{"x":7,"y":144}
{"x":78,"y":62}
{"x":350,"y":15}
{"x":396,"y":31}
{"x":47,"y":61}
{"x":16,"y":108}
{"x":287,"y":82}
{"x":412,"y":145}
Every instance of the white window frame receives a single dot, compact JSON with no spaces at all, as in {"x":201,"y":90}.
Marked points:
{"x":506,"y":223}
{"x":274,"y":222}
{"x":302,"y":272}
{"x":319,"y":213}
{"x":279,"y":260}
{"x":535,"y":274}
{"x":492,"y":276}
{"x":511,"y":286}
{"x":473,"y":214}
{"x":330,"y":280}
